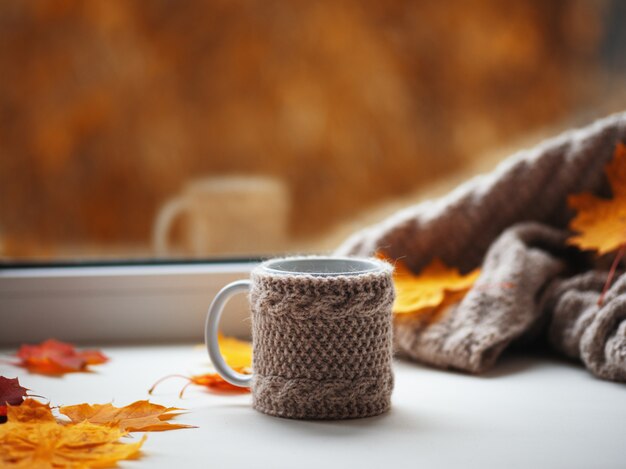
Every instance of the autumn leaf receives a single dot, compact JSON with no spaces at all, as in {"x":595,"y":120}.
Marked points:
{"x":601,"y":223}
{"x":11,"y":393}
{"x":237,"y":354}
{"x":53,"y":357}
{"x":140,"y":416}
{"x":38,"y":440}
{"x":436,"y":285}
{"x":30,"y":411}
{"x":212,"y":381}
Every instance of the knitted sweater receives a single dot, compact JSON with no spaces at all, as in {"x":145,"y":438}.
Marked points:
{"x":512,"y":223}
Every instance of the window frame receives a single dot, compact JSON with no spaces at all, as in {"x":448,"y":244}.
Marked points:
{"x":123,"y":302}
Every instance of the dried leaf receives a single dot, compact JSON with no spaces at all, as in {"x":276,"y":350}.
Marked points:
{"x":237,"y":353}
{"x":11,"y":393}
{"x":601,"y":223}
{"x":212,"y":381}
{"x":53,"y":357}
{"x":436,"y":285}
{"x":140,"y":416}
{"x":30,"y":411}
{"x":44,"y":442}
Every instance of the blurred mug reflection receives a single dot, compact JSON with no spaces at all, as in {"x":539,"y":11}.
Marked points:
{"x":239,"y":215}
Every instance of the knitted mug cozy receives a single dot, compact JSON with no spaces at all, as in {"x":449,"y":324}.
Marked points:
{"x":322,"y":343}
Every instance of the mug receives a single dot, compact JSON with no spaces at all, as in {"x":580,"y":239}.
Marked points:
{"x":226,"y":214}
{"x":321,"y":337}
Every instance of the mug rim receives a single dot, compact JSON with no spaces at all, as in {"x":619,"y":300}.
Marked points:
{"x":322,"y":266}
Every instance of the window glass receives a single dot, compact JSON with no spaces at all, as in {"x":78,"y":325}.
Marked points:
{"x":195,"y":129}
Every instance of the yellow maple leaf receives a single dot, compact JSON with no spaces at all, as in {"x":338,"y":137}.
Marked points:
{"x":140,"y":416}
{"x":30,"y":411}
{"x":45,"y":442}
{"x":436,"y":285}
{"x":237,"y":353}
{"x":601,"y":223}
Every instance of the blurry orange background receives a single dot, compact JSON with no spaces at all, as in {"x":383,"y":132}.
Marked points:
{"x":107,"y":108}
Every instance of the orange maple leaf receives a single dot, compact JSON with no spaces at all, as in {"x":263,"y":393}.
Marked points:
{"x":140,"y":416}
{"x":53,"y":357}
{"x":33,"y":438}
{"x":30,"y":411}
{"x":237,"y":353}
{"x":601,"y":223}
{"x":212,"y":381}
{"x":435,"y":286}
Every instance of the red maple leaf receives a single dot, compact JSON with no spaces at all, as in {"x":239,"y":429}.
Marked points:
{"x":53,"y":357}
{"x":11,"y":393}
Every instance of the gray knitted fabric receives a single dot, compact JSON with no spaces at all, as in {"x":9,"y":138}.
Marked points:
{"x":322,"y":345}
{"x":581,"y":329}
{"x":511,"y":223}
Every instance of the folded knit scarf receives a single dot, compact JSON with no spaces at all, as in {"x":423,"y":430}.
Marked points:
{"x":513,"y":224}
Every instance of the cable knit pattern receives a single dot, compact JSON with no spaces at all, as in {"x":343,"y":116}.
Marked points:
{"x":322,"y":345}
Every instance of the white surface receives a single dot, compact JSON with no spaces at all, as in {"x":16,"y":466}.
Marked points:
{"x":531,"y":412}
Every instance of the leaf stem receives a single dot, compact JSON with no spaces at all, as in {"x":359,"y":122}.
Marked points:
{"x":159,"y":381}
{"x":182,"y":391}
{"x":618,"y":257}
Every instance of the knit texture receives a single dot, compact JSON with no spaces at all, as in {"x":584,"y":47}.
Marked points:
{"x":513,"y":224}
{"x":322,"y":345}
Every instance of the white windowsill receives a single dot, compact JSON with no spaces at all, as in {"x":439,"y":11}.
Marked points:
{"x":530,"y":412}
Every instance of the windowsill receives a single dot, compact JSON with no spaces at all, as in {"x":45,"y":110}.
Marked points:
{"x":530,"y":412}
{"x":121,"y":304}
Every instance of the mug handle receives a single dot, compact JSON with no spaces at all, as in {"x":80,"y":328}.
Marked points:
{"x":167,"y":215}
{"x":210,"y":334}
